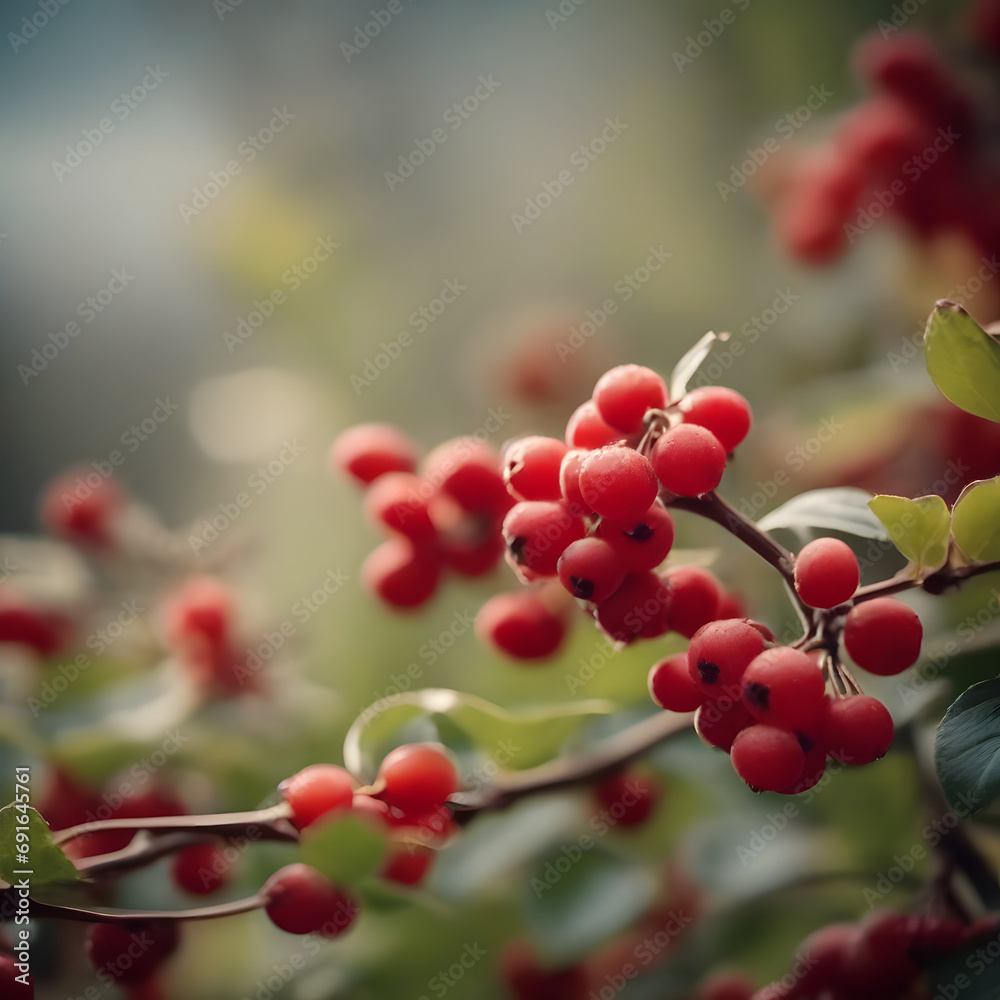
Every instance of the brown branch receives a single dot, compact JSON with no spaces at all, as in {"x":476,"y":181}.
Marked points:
{"x":127,"y":917}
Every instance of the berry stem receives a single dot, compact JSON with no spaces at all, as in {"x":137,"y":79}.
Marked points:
{"x":126,"y":917}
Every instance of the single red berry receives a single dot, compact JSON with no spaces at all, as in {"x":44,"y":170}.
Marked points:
{"x":812,"y":770}
{"x":617,"y":482}
{"x":671,"y":687}
{"x":569,"y":482}
{"x":695,"y":595}
{"x":474,"y":554}
{"x":531,"y":468}
{"x":857,"y":729}
{"x":767,"y":758}
{"x":826,"y":573}
{"x":400,"y":502}
{"x":15,"y":983}
{"x":527,"y":979}
{"x":469,"y":471}
{"x":624,"y":394}
{"x":784,"y":687}
{"x":368,"y":451}
{"x":726,"y":986}
{"x":521,"y":625}
{"x":301,"y":900}
{"x":591,"y":569}
{"x":587,"y":429}
{"x":418,"y":776}
{"x":407,"y":864}
{"x":83,"y":507}
{"x":537,"y":533}
{"x":200,"y":869}
{"x":878,"y":964}
{"x":643,"y":543}
{"x":402,"y":574}
{"x":883,"y":636}
{"x":822,"y":956}
{"x":719,"y":722}
{"x":722,"y":411}
{"x":432,"y":827}
{"x":627,"y":799}
{"x":719,"y":653}
{"x":200,"y":610}
{"x":373,"y":808}
{"x":41,"y":630}
{"x":640,"y":607}
{"x":688,"y":460}
{"x":133,"y":952}
{"x":315,"y":791}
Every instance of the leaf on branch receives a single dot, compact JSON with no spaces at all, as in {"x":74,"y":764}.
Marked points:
{"x":975,"y":520}
{"x":841,"y":508}
{"x":967,"y":748}
{"x":38,"y":854}
{"x":919,"y":528}
{"x":346,"y":849}
{"x":963,"y":360}
{"x":690,"y":363}
{"x":524,"y":738}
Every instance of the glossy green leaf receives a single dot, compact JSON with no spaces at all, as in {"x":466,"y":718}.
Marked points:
{"x":38,"y":854}
{"x":345,"y":848}
{"x":975,"y":521}
{"x":578,"y":897}
{"x":963,"y":360}
{"x":967,"y":748}
{"x":839,"y":508}
{"x":524,"y":738}
{"x":919,"y":528}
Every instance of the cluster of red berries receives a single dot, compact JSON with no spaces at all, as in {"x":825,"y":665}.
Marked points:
{"x":916,"y":150}
{"x":880,"y":958}
{"x":447,"y":517}
{"x":767,"y":705}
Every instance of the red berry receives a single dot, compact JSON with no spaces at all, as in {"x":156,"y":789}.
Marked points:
{"x":719,"y":722}
{"x":857,"y":730}
{"x":590,"y":569}
{"x":418,"y":776}
{"x":315,"y":791}
{"x":671,"y":687}
{"x":826,"y":573}
{"x":368,"y":451}
{"x":301,"y":900}
{"x":587,"y":429}
{"x":719,"y":653}
{"x":640,"y":607}
{"x":569,"y":481}
{"x":878,"y":964}
{"x":200,"y":869}
{"x":688,"y":460}
{"x":79,"y":510}
{"x":400,"y":501}
{"x":407,"y":865}
{"x":627,"y":799}
{"x":531,"y":468}
{"x":624,"y":394}
{"x":617,"y":482}
{"x":375,"y":809}
{"x":469,"y":471}
{"x":528,"y":980}
{"x":521,"y":625}
{"x":726,"y":986}
{"x":40,"y":630}
{"x":883,"y":636}
{"x":767,"y":758}
{"x":133,"y":952}
{"x":475,"y":554}
{"x":642,"y":543}
{"x":200,"y":610}
{"x":694,"y":598}
{"x":784,"y":687}
{"x":402,"y":574}
{"x":14,"y":983}
{"x":722,"y":411}
{"x":537,"y":533}
{"x":812,"y":770}
{"x":822,"y":956}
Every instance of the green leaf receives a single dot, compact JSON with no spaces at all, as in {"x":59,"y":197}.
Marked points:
{"x":919,"y":528}
{"x":524,"y":738}
{"x":839,"y":508}
{"x":967,"y":748}
{"x":975,"y":521}
{"x":345,"y":848}
{"x":963,"y":360}
{"x":580,"y":897}
{"x":45,"y":860}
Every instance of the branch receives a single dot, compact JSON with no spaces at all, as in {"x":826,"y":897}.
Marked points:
{"x":100,"y":916}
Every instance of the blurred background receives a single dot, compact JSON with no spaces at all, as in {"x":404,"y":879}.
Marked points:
{"x":231,"y":229}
